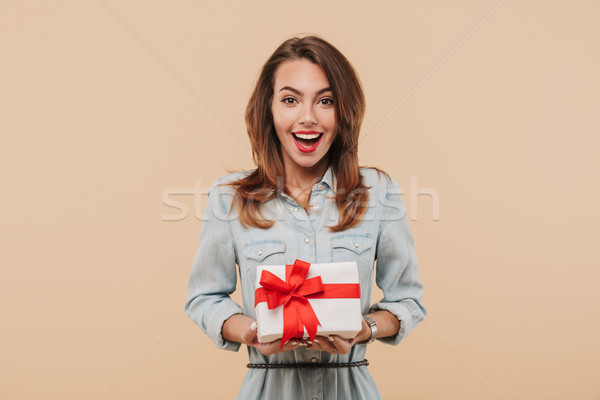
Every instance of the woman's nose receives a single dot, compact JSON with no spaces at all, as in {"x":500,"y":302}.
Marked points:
{"x":308,"y":115}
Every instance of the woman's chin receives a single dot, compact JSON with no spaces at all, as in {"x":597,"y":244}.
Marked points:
{"x":308,"y":161}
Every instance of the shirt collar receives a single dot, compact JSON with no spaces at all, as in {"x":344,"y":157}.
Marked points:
{"x":328,"y":179}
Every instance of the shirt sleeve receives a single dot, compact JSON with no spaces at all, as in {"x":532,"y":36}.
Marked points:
{"x":397,"y":272}
{"x":213,"y":275}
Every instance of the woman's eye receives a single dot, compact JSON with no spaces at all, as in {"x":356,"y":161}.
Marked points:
{"x":291,"y":100}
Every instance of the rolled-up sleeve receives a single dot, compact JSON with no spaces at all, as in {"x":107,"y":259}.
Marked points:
{"x":397,"y":272}
{"x":213,"y":275}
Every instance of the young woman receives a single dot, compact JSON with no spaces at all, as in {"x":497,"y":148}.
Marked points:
{"x":307,"y":199}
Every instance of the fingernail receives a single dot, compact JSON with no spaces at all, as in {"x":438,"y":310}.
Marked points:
{"x":302,"y":344}
{"x":253,"y":326}
{"x":316,"y":340}
{"x":330,"y":338}
{"x":308,"y":341}
{"x":294,"y":342}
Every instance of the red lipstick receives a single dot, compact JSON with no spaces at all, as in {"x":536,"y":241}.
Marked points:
{"x":307,"y":149}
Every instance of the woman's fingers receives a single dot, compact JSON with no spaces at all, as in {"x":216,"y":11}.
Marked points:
{"x":276,"y":348}
{"x":293,"y":344}
{"x":249,"y":335}
{"x":332,"y":344}
{"x":322,"y":343}
{"x":267,"y":348}
{"x":342,"y":346}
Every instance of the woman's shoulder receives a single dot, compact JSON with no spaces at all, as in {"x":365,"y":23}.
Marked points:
{"x":224,"y":183}
{"x":221,"y":194}
{"x":384,"y":189}
{"x":378,"y":179}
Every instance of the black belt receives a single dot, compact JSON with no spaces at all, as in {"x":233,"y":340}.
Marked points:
{"x":310,"y":365}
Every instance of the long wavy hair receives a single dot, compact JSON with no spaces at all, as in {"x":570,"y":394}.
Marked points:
{"x":267,"y":180}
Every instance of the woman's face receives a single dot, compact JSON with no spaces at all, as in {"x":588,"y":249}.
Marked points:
{"x":303,"y":113}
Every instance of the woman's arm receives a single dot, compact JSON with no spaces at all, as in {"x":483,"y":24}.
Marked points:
{"x":397,"y":272}
{"x":387,"y":325}
{"x":213,"y":275}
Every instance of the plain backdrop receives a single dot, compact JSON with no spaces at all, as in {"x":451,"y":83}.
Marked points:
{"x":111,"y":112}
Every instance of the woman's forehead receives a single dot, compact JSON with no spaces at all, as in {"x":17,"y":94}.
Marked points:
{"x":301,"y":75}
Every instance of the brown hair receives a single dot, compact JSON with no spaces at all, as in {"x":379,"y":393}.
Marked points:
{"x":261,"y":185}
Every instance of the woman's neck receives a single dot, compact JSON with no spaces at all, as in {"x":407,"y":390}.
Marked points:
{"x":299,"y":181}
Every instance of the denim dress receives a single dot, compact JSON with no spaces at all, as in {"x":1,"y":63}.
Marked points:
{"x":382,"y":235}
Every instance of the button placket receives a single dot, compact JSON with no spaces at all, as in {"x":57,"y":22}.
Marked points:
{"x":305,"y":231}
{"x":315,"y":201}
{"x":295,"y":209}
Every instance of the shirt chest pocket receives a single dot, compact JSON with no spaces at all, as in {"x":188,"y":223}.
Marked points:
{"x":355,"y":247}
{"x":260,"y":252}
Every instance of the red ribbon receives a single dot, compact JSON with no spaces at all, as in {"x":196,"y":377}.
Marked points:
{"x":294,"y":293}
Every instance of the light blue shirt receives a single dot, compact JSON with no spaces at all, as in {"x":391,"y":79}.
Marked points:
{"x":382,"y":235}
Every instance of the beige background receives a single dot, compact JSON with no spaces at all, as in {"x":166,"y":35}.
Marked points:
{"x":107,"y":107}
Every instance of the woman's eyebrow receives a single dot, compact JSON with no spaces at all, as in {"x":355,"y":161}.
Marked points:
{"x":327,"y":89}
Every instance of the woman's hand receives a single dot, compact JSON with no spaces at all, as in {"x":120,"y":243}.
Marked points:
{"x":249,"y":338}
{"x":240,"y":328}
{"x":337,"y":345}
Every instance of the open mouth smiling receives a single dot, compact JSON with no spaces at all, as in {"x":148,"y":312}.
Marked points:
{"x":307,"y":141}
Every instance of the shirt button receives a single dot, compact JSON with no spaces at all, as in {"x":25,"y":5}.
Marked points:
{"x":320,"y":187}
{"x":355,"y":244}
{"x":296,"y":209}
{"x":307,"y":240}
{"x":260,"y":252}
{"x":314,"y":359}
{"x":315,"y":205}
{"x":314,"y":398}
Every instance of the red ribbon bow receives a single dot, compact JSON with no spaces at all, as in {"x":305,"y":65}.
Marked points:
{"x":297,"y":311}
{"x":294,"y":293}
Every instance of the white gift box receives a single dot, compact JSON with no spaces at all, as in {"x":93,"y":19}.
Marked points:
{"x":338,"y":316}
